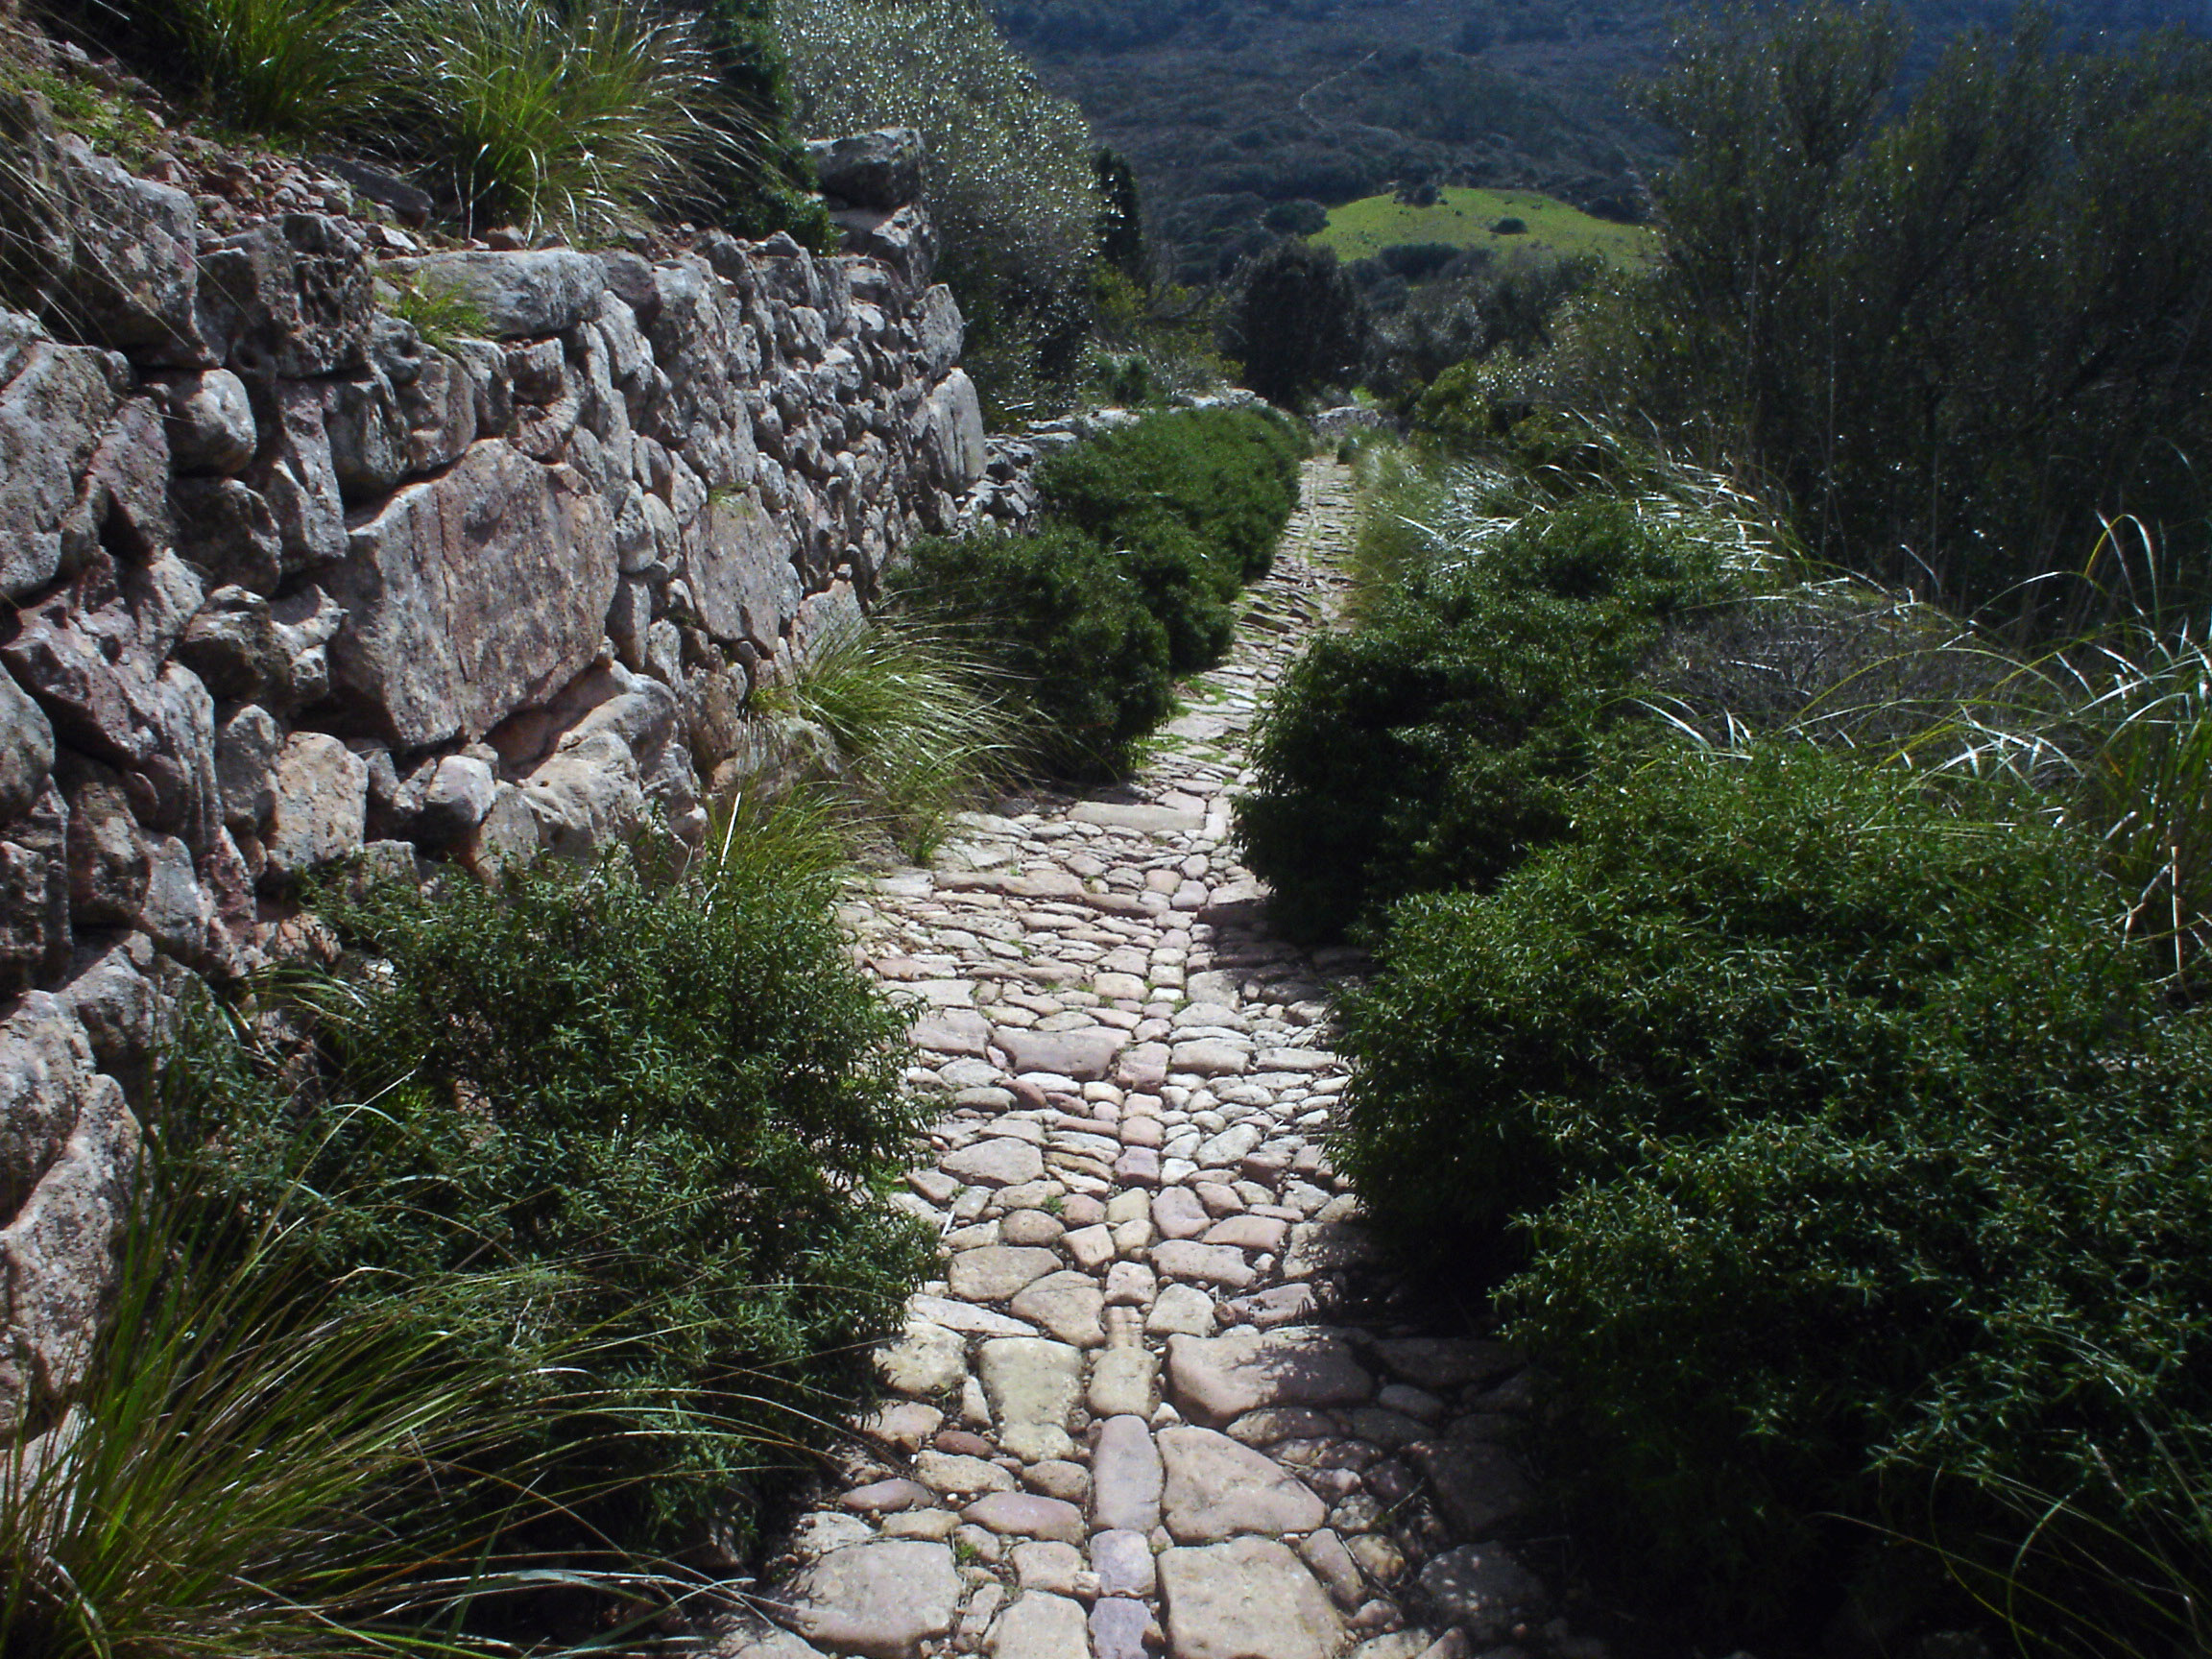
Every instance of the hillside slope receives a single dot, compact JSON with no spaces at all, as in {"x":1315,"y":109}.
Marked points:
{"x":1232,"y":112}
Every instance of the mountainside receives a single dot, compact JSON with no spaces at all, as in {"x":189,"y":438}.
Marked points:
{"x":1237,"y":113}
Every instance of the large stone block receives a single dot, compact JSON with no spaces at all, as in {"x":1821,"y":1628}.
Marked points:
{"x":741,"y":574}
{"x":472,"y":595}
{"x":953,"y":433}
{"x":58,"y":1254}
{"x":293,"y":297}
{"x":880,"y":169}
{"x":53,"y":414}
{"x":541,"y":291}
{"x":36,"y":934}
{"x":939,"y":331}
{"x":26,"y":749}
{"x":109,"y":258}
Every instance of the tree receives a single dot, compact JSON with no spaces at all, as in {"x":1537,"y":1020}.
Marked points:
{"x":1297,"y":321}
{"x":1122,"y":218}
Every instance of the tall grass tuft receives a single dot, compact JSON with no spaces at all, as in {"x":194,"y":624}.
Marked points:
{"x":919,"y":721}
{"x":288,"y":67}
{"x":579,"y":114}
{"x":261,"y":1463}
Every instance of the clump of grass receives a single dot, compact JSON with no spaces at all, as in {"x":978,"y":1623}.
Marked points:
{"x":261,"y":1463}
{"x":920,"y":719}
{"x":282,"y":68}
{"x":580,"y":115}
{"x":443,"y":317}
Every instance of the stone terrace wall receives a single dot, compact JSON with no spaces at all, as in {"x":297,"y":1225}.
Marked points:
{"x":290,"y":584}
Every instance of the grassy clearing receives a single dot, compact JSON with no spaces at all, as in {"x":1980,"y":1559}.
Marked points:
{"x":1463,"y":219}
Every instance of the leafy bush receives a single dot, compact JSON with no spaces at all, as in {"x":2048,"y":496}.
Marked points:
{"x":1229,"y":476}
{"x":1067,"y":621}
{"x":1009,"y":176}
{"x":1836,"y":1140}
{"x":1440,"y":742}
{"x":2006,"y":270}
{"x":1297,"y":322}
{"x":681,"y":1097}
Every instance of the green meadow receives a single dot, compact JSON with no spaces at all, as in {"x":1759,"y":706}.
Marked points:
{"x":1463,"y":219}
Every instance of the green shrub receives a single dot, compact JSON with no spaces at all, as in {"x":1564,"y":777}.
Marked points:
{"x":1824,"y":1135}
{"x":1439,"y":743}
{"x":681,"y":1097}
{"x":1009,"y":175}
{"x":1067,"y":621}
{"x":1231,"y":476}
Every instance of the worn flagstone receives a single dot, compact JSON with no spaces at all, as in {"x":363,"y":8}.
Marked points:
{"x":1132,"y":1424}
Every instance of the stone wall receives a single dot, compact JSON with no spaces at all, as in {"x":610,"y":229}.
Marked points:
{"x":292,"y":581}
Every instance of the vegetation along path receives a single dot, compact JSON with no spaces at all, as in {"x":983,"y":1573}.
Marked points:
{"x":1125,"y":1422}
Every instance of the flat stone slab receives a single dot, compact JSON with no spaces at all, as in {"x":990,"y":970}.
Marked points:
{"x":1221,"y":1264}
{"x":1122,"y":1559}
{"x":996,"y":1271}
{"x":1248,"y":1599}
{"x":1002,"y":1161}
{"x":1483,"y":1589}
{"x":1026,"y":1515}
{"x":1440,"y":1362}
{"x":880,"y":1600}
{"x":1479,"y":1486}
{"x":1087,"y":1055}
{"x":1218,"y":1489}
{"x":1218,"y":1378}
{"x":1032,"y":1385}
{"x":1069,"y":1305}
{"x":928,"y":1359}
{"x":1150,"y":820}
{"x":1039,"y":1626}
{"x":966,"y":1317}
{"x":1125,"y":1477}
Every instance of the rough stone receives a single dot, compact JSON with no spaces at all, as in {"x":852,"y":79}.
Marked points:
{"x":1123,"y":1560}
{"x":1087,"y":1055}
{"x":1125,"y":1477}
{"x":880,"y":169}
{"x":998,"y":1271}
{"x":1122,"y":1630}
{"x":519,"y":294}
{"x":1247,"y":1598}
{"x":1037,"y":1625}
{"x":881,"y":1600}
{"x":26,"y":749}
{"x":1026,"y":1515}
{"x":472,"y":595}
{"x":1124,"y":1381}
{"x":1000,"y":1162}
{"x":1032,"y":1385}
{"x":1223,"y":1377}
{"x":1483,"y":1589}
{"x":320,"y":803}
{"x":1067,"y":1304}
{"x":926,"y":1360}
{"x":1216,"y":1489}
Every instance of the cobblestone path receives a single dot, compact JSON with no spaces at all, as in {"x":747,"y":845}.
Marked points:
{"x":1126,"y":1424}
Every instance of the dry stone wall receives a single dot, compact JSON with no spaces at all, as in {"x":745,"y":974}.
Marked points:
{"x":292,"y":581}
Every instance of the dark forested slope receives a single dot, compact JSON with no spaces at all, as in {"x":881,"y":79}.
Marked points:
{"x":1235,"y":112}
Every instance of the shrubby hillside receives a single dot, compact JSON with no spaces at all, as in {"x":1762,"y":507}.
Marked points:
{"x":1233,"y":112}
